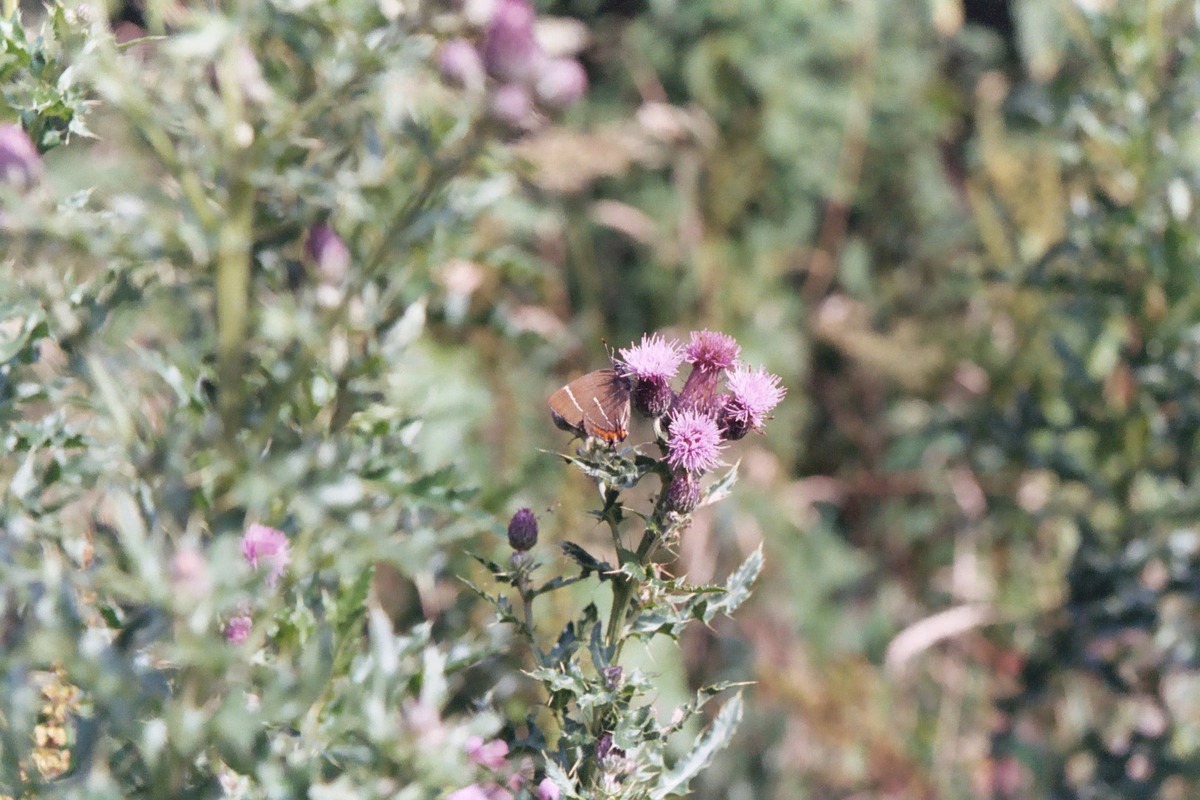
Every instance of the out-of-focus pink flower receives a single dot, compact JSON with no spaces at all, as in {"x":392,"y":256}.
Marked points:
{"x":560,"y":82}
{"x":547,"y":790}
{"x":20,"y":163}
{"x":481,"y":791}
{"x":329,"y":252}
{"x":753,"y":394}
{"x":512,"y":105}
{"x":493,"y":755}
{"x":694,"y":443}
{"x":510,"y":50}
{"x":237,"y":629}
{"x":461,"y":64}
{"x":270,"y":545}
{"x":189,"y":573}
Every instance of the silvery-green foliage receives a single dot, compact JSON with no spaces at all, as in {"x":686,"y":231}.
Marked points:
{"x":607,"y":740}
{"x":174,"y":366}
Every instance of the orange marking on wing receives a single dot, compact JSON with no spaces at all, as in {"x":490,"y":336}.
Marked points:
{"x":610,"y":436}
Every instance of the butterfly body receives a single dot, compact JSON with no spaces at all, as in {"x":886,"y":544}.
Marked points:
{"x":595,"y":404}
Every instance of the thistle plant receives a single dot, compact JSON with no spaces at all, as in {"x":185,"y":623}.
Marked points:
{"x":605,"y":740}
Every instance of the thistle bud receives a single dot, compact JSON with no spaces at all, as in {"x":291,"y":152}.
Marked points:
{"x":329,"y":252}
{"x":604,"y":747}
{"x":683,"y":495}
{"x":653,"y":398}
{"x":612,"y":677}
{"x":522,"y":530}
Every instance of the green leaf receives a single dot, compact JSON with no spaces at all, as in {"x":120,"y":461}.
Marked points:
{"x":721,"y":488}
{"x":701,"y":755}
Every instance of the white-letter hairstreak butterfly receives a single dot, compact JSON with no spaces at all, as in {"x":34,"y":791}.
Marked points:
{"x":596,"y":404}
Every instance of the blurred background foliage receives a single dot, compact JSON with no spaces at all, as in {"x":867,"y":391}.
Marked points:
{"x":964,"y":232}
{"x":965,"y":235}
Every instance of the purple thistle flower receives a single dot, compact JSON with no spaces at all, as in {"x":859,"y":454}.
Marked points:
{"x":653,"y":363}
{"x":510,"y":50}
{"x":712,"y":350}
{"x":753,"y":394}
{"x":461,"y":64}
{"x":694,"y":442}
{"x":653,"y":360}
{"x":560,"y":82}
{"x":709,"y":352}
{"x":237,"y":629}
{"x":20,"y":163}
{"x":269,"y":544}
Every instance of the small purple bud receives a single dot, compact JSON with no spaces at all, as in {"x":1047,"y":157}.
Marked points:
{"x":511,"y":105}
{"x":604,"y":747}
{"x":653,"y":398}
{"x":612,"y":677}
{"x":683,"y":495}
{"x":733,"y":425}
{"x":329,"y":252}
{"x":20,"y":164}
{"x":733,"y":428}
{"x":510,"y":50}
{"x":460,"y":64}
{"x":522,"y":530}
{"x":561,"y":81}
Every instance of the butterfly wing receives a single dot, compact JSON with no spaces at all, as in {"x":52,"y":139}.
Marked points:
{"x":596,"y":404}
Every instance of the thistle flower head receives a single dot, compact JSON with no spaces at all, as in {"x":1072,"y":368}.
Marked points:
{"x":655,"y":359}
{"x":753,"y":394}
{"x":237,"y":629}
{"x":711,"y":351}
{"x":694,"y":443}
{"x":269,"y":545}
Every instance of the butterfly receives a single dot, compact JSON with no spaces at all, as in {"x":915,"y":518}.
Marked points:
{"x":595,"y":404}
